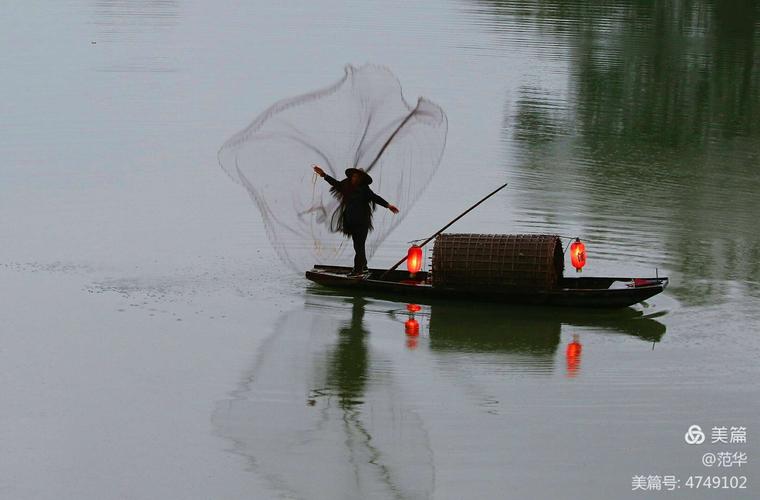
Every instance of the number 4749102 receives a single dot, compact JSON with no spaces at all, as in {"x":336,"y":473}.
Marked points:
{"x":717,"y":482}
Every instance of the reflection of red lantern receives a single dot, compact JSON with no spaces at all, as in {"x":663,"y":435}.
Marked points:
{"x":578,"y":254}
{"x":574,"y":349}
{"x":573,"y":356}
{"x":414,"y":259}
{"x":413,"y":308}
{"x":411,"y":327}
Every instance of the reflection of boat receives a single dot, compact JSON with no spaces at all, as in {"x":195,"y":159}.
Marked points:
{"x":490,"y":327}
{"x":526,"y":339}
{"x":572,"y":292}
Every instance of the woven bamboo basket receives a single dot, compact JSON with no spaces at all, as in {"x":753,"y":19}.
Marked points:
{"x":497,"y":261}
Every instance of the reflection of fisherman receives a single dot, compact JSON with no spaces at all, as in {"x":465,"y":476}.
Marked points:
{"x":354,"y":216}
{"x":349,"y":362}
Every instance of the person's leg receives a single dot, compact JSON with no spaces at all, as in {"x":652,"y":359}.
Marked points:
{"x":359,"y":237}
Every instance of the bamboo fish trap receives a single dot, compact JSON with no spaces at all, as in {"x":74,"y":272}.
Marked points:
{"x":516,"y":262}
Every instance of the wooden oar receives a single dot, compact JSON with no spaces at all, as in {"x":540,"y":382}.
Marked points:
{"x":447,"y":226}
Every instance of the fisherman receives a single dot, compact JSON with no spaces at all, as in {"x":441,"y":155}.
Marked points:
{"x":354,"y":216}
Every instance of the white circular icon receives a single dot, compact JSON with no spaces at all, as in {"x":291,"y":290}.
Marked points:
{"x":694,"y":435}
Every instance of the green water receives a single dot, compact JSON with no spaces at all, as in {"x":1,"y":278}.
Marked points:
{"x":652,"y":143}
{"x":633,"y":125}
{"x":154,"y":347}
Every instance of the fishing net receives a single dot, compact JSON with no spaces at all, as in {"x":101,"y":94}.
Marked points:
{"x":362,"y":121}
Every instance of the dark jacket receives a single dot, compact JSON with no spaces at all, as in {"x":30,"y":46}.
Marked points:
{"x":356,"y":206}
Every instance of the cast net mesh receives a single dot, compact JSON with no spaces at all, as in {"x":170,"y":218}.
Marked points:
{"x":348,"y":124}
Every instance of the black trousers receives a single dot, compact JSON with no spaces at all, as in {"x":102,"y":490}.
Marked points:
{"x":359,"y":237}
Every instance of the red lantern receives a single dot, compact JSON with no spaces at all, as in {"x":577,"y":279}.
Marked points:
{"x":578,"y":254}
{"x":414,"y":259}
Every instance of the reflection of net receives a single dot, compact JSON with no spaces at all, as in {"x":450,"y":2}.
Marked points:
{"x":345,"y":125}
{"x":316,"y":424}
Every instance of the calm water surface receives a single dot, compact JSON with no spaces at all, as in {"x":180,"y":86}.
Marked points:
{"x":153,"y":346}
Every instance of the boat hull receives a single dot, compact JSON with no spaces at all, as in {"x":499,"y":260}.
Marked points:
{"x":570,"y":292}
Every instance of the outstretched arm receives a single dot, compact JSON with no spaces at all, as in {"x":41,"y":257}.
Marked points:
{"x":318,"y":170}
{"x":380,"y":201}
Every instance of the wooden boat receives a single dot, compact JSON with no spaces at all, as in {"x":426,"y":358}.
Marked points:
{"x":594,"y":292}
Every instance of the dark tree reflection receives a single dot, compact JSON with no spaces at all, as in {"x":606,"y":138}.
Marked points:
{"x":655,"y":143}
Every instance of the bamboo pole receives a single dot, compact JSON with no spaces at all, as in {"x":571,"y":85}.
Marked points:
{"x":382,"y":150}
{"x":447,"y":226}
